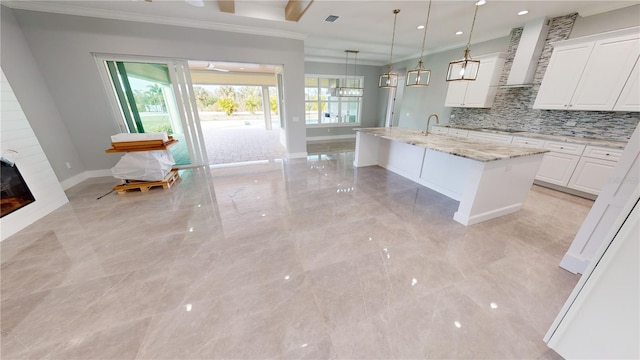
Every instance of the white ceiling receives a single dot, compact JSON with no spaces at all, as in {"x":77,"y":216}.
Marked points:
{"x":364,"y":25}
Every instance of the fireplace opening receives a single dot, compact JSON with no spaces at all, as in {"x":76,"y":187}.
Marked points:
{"x":14,"y":190}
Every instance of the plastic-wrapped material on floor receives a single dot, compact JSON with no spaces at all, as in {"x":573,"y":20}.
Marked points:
{"x":144,"y":165}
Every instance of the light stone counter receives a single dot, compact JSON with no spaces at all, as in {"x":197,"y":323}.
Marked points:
{"x":463,"y":147}
{"x":489,"y":180}
{"x":560,"y":138}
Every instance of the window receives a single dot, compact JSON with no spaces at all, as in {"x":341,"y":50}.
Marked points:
{"x":322,"y":109}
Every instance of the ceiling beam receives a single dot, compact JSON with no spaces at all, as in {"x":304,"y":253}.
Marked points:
{"x":295,"y":9}
{"x":228,"y":6}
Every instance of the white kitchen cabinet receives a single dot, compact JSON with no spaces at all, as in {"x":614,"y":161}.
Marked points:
{"x":562,"y":76}
{"x":480,"y":92}
{"x":441,"y":130}
{"x":489,"y":136}
{"x":559,"y":164}
{"x":594,"y":168}
{"x":589,"y":73}
{"x":606,"y":73}
{"x":591,"y":175}
{"x":557,"y":168}
{"x":458,"y":132}
{"x":527,"y":142}
{"x":629,"y":99}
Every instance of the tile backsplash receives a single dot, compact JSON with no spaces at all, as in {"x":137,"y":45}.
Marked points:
{"x":512,"y":107}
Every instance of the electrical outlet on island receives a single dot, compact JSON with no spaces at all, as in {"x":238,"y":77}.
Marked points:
{"x":571,"y":123}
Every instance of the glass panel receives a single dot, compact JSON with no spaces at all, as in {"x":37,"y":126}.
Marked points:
{"x":148,"y":102}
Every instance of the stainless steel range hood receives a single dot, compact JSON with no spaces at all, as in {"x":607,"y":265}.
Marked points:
{"x":528,"y":53}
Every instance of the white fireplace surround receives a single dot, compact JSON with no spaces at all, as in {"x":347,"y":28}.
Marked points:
{"x":16,"y":134}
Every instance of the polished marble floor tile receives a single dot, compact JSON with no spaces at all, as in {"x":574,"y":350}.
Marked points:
{"x":302,"y":259}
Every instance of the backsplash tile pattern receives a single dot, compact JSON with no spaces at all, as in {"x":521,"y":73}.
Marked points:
{"x":512,"y":107}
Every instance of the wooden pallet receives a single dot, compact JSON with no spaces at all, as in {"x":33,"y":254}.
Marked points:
{"x":145,"y":186}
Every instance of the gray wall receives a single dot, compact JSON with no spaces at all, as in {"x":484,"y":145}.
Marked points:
{"x":63,"y":46}
{"x":419,"y":102}
{"x":370,"y":114}
{"x":609,"y":21}
{"x":36,"y":101}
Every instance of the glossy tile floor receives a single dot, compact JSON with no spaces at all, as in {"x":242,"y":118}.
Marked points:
{"x":296,"y":259}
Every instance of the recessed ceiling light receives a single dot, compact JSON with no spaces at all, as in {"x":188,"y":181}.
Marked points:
{"x":481,"y":2}
{"x":420,"y":27}
{"x":458,"y":32}
{"x":332,"y":18}
{"x":523,"y":12}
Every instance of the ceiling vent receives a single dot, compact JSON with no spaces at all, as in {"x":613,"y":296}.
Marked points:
{"x":332,"y":18}
{"x":528,"y":53}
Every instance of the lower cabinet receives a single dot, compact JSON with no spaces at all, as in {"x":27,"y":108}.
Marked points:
{"x":570,"y":165}
{"x":557,"y":168}
{"x":591,"y":175}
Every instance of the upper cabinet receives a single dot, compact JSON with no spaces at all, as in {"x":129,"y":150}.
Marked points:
{"x":629,"y":99}
{"x":480,"y":92}
{"x":591,"y":74}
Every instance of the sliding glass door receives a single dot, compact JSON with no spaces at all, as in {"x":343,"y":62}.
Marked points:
{"x":149,"y":95}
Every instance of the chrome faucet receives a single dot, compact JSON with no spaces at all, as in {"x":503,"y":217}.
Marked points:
{"x":426,"y":131}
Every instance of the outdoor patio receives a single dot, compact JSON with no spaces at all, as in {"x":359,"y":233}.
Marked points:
{"x":238,"y":141}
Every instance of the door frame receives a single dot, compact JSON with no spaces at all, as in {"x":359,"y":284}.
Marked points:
{"x":183,"y":93}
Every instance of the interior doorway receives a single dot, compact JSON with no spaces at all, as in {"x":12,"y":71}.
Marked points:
{"x":239,"y":110}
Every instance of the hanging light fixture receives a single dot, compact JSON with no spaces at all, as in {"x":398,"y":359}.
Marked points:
{"x":389,"y":79}
{"x":465,"y":68}
{"x":346,"y":90}
{"x":420,"y":76}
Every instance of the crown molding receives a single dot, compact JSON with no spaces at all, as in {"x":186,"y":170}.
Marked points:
{"x":162,"y":20}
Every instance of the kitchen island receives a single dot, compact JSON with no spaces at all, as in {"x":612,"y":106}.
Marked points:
{"x":488,"y":179}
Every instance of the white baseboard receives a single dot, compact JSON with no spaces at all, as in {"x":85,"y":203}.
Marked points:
{"x":331,"y":137}
{"x":77,"y":179}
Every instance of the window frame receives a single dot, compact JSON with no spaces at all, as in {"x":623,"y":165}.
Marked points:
{"x":339,"y":102}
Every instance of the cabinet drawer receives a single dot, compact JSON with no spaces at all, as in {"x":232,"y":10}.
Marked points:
{"x":528,"y":142}
{"x":505,"y":139}
{"x":565,"y":148}
{"x":602,"y":153}
{"x":439,"y":130}
{"x":458,"y":132}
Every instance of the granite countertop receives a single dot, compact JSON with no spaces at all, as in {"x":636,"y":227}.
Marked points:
{"x":560,"y":138}
{"x":468,"y":148}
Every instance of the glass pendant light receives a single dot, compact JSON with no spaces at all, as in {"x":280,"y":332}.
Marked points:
{"x":346,"y":90}
{"x":420,"y":76}
{"x":390,"y":79}
{"x":465,"y":68}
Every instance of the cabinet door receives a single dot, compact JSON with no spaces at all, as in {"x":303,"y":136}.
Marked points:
{"x":629,"y":99}
{"x":591,"y":175}
{"x":479,"y":92}
{"x":455,"y":93}
{"x":606,"y":73}
{"x":557,"y":168}
{"x":562,"y":76}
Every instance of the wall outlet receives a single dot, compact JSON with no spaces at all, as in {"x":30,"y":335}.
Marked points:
{"x":571,"y":123}
{"x":68,"y":165}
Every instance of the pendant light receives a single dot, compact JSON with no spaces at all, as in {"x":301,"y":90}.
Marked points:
{"x":346,"y":90}
{"x":465,"y":68}
{"x":389,"y":79}
{"x":420,"y":76}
